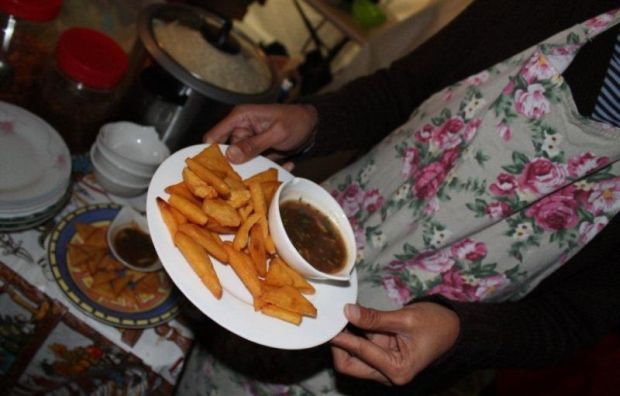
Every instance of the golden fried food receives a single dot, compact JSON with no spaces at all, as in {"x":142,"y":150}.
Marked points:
{"x":105,"y":276}
{"x":211,"y":200}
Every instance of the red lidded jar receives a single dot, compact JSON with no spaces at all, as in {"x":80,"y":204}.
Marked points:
{"x":28,"y":37}
{"x":82,"y":89}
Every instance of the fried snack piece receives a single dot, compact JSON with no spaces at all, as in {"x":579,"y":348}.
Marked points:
{"x":107,"y":263}
{"x":258,"y":201}
{"x":98,"y":238}
{"x":148,"y":284}
{"x":167,"y":216}
{"x":280,"y":313}
{"x":245,"y":211}
{"x":267,"y":175}
{"x":213,"y":159}
{"x":269,"y":189}
{"x":198,"y":258}
{"x":213,"y":226}
{"x":119,"y":284}
{"x":78,"y":254}
{"x":256,"y":249}
{"x":239,"y":193}
{"x":277,"y":275}
{"x":270,"y":247}
{"x":129,"y":296}
{"x":178,"y":216}
{"x":299,"y":282}
{"x":105,"y":290}
{"x":216,"y":237}
{"x":198,"y":186}
{"x":98,"y":259}
{"x":183,"y":190}
{"x":234,"y":183}
{"x":190,"y":210}
{"x":209,"y":177}
{"x":222,"y":212}
{"x":238,"y":198}
{"x":289,"y":298}
{"x":103,"y":277}
{"x":135,"y":276}
{"x":205,"y":239}
{"x":258,"y":198}
{"x":241,"y":237}
{"x":244,"y":270}
{"x":85,"y":230}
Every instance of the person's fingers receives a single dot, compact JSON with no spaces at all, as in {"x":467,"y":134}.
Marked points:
{"x":348,"y":364}
{"x":364,"y":350}
{"x":246,"y":149}
{"x":289,"y":166}
{"x":239,"y":134}
{"x":222,"y":130}
{"x":385,"y":341}
{"x":371,"y":319}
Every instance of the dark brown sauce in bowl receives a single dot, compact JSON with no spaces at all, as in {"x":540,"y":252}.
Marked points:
{"x":314,"y":235}
{"x":135,"y":247}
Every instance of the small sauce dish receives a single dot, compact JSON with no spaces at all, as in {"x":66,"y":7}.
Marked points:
{"x":136,"y":146}
{"x":130,"y":241}
{"x":309,"y":197}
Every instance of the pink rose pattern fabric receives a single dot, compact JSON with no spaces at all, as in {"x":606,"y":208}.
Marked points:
{"x":503,"y":125}
{"x":477,"y":197}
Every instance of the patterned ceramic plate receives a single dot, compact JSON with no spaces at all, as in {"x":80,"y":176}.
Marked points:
{"x":234,"y":310}
{"x":34,"y":159}
{"x":106,"y":290}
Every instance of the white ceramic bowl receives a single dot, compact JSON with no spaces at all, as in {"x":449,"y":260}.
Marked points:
{"x":127,"y":217}
{"x":315,"y":195}
{"x":135,"y":143}
{"x":122,"y":163}
{"x":112,"y":185}
{"x":112,"y":169}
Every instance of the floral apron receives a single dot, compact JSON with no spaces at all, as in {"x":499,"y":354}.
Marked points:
{"x":489,"y":187}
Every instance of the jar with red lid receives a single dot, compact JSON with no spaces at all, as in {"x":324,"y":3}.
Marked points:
{"x":27,"y":36}
{"x":82,"y":88}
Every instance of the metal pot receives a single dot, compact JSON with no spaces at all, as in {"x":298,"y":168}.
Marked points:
{"x":191,"y":67}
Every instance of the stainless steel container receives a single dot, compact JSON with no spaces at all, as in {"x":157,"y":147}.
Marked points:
{"x":191,"y":67}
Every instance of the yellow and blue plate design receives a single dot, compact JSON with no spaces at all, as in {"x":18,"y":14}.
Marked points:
{"x":146,"y":301}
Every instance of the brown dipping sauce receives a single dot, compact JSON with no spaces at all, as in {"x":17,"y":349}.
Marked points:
{"x":314,"y":236}
{"x":135,"y":247}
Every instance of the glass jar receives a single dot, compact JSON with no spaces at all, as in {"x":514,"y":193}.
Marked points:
{"x":28,"y":37}
{"x":81,"y":89}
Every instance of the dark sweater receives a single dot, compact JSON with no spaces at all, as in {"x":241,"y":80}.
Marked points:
{"x":577,"y":304}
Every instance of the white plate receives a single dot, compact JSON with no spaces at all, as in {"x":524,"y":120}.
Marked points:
{"x":34,"y":160}
{"x":234,"y":310}
{"x":26,"y":210}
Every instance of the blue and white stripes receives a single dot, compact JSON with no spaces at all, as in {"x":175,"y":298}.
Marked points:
{"x":607,"y":107}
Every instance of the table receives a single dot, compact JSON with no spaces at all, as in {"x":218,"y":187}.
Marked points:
{"x":49,"y":346}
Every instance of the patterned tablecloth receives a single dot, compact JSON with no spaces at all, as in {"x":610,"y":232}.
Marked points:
{"x":49,"y":346}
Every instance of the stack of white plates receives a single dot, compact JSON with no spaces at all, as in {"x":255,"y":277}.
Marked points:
{"x":35,"y":169}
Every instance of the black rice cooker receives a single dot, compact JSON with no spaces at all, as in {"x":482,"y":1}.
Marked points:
{"x":190,"y":68}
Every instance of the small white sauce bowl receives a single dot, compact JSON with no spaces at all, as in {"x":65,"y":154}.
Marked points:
{"x":315,"y":195}
{"x":138,"y":145}
{"x":127,"y":218}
